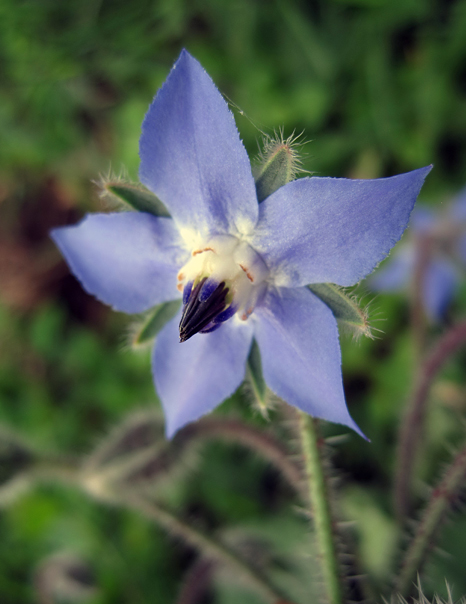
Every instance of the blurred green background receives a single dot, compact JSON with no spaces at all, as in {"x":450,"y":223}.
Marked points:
{"x":378,"y":87}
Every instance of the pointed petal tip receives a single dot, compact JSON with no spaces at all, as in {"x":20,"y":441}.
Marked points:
{"x":185,"y":54}
{"x":54,"y":233}
{"x":176,"y":423}
{"x":192,"y":156}
{"x":425,"y":170}
{"x":353,"y":425}
{"x":315,"y":245}
{"x":170,"y":431}
{"x":419,"y":175}
{"x":58,"y":234}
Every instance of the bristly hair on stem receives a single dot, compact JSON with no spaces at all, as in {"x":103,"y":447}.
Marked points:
{"x":262,"y":443}
{"x":422,"y":599}
{"x":412,"y":425}
{"x":441,"y":500}
{"x":320,"y":508}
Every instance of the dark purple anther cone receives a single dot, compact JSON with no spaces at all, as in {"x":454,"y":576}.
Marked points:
{"x":205,"y":302}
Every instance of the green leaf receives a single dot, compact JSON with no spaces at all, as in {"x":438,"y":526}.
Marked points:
{"x":256,"y":376}
{"x":154,"y":321}
{"x":138,"y":198}
{"x":345,"y":308}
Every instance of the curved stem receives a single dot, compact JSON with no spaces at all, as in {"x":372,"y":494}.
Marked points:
{"x":320,"y":507}
{"x":440,"y":500}
{"x":264,"y":444}
{"x":210,"y":547}
{"x":413,"y":423}
{"x":69,"y":474}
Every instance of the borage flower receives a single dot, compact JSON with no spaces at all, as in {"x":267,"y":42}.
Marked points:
{"x":242,"y":268}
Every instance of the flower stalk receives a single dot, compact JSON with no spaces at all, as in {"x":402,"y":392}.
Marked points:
{"x":70,"y":474}
{"x":210,"y":547}
{"x":412,"y":426}
{"x":262,"y":443}
{"x":320,"y":508}
{"x":437,"y":507}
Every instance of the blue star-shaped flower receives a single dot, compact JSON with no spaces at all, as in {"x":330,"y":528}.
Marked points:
{"x":241,"y":267}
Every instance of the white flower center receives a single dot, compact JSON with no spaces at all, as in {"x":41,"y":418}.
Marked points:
{"x":226,"y":259}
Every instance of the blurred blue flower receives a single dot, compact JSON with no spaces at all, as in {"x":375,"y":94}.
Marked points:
{"x":437,"y":244}
{"x":241,"y":267}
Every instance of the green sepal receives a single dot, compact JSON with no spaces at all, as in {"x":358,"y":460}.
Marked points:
{"x":279,"y":163}
{"x":256,"y":376}
{"x":138,"y":198}
{"x":146,"y":331}
{"x":275,"y":172}
{"x":344,"y":307}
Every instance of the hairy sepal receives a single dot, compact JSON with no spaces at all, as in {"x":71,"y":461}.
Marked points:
{"x":135,"y":196}
{"x":144,"y":332}
{"x":344,"y":307}
{"x":279,"y":163}
{"x":256,"y":378}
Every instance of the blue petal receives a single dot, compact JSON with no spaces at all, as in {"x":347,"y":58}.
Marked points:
{"x":458,"y":206}
{"x":193,"y":377}
{"x":192,"y":156}
{"x":396,"y":272}
{"x":129,"y":260}
{"x":440,"y":282}
{"x":320,"y":230}
{"x":461,"y":247}
{"x":298,"y":340}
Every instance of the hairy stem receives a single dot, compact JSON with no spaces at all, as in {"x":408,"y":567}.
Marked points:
{"x":438,"y":505}
{"x":210,"y":547}
{"x":320,"y":508}
{"x":69,"y":474}
{"x":262,"y":443}
{"x":413,"y":422}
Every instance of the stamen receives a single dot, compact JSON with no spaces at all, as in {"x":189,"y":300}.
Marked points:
{"x":187,"y":291}
{"x":206,"y":249}
{"x":223,"y":277}
{"x":204,"y":304}
{"x":248,"y":274}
